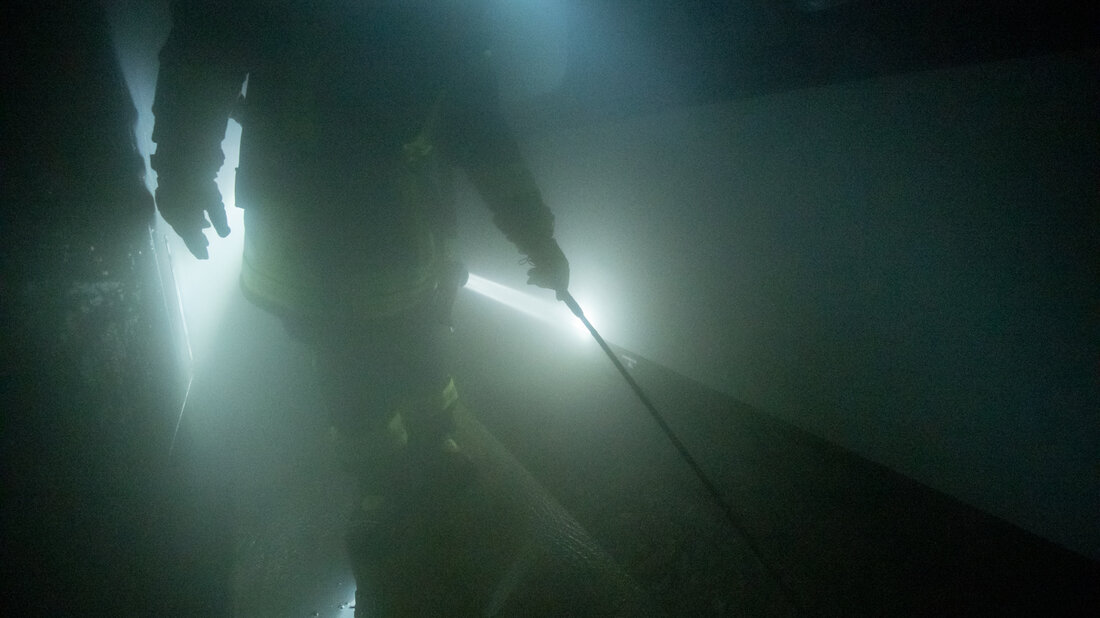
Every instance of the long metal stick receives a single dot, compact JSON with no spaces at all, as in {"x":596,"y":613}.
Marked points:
{"x":712,"y":489}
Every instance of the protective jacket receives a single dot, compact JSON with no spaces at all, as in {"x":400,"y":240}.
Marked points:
{"x":352,"y":113}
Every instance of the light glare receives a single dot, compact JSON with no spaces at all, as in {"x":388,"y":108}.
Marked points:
{"x":547,"y":311}
{"x":206,"y":286}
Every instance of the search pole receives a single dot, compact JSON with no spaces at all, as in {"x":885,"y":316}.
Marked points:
{"x":711,"y":488}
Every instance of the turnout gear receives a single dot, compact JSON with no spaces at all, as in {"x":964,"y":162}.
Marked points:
{"x":550,"y":268}
{"x":353,"y":117}
{"x":402,"y":470}
{"x":194,"y":96}
{"x":341,"y":99}
{"x":190,"y":206}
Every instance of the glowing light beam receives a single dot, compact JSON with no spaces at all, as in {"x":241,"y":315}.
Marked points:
{"x":515,"y":299}
{"x":547,"y":311}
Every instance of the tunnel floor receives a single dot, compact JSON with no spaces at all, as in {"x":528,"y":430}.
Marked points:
{"x":248,"y":519}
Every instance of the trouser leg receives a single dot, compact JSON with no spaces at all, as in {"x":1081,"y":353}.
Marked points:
{"x":390,"y":399}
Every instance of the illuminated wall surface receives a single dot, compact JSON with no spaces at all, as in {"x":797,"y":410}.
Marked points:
{"x":899,"y":257}
{"x":906,"y":267}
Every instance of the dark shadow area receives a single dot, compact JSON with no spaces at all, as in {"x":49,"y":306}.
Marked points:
{"x":98,"y":518}
{"x":627,"y":58}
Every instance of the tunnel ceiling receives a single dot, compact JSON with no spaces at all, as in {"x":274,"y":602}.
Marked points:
{"x":627,"y":57}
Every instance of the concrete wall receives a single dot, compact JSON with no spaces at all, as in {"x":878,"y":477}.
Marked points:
{"x":907,"y":267}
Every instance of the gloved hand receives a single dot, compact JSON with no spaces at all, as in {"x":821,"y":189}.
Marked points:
{"x":190,"y":206}
{"x":551,"y":269}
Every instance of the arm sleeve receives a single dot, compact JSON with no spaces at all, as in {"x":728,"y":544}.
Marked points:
{"x":478,"y":139}
{"x":202,"y":68}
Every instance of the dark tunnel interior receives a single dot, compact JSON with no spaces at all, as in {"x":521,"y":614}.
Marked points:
{"x":849,"y":249}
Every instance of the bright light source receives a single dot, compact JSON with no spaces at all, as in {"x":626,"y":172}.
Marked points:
{"x":551,"y":312}
{"x":517,"y":300}
{"x":579,"y":328}
{"x":349,"y":606}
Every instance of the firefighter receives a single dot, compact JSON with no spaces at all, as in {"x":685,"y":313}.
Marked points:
{"x":353,"y":116}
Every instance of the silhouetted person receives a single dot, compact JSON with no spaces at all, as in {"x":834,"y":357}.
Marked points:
{"x":353,"y":115}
